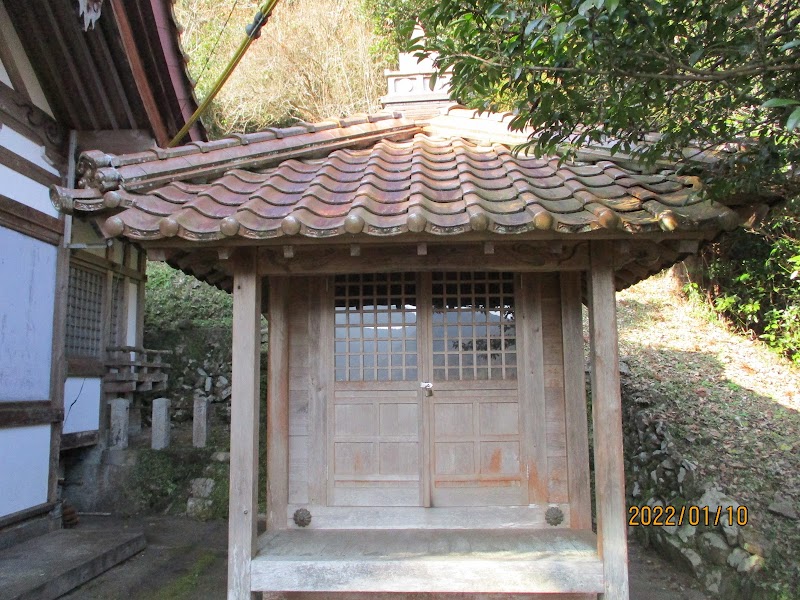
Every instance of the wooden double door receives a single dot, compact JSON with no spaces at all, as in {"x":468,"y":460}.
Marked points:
{"x":426,"y":409}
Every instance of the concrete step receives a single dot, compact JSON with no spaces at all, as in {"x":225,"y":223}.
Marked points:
{"x":51,"y":565}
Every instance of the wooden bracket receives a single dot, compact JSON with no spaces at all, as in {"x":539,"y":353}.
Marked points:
{"x":422,"y":249}
{"x":157,"y":254}
{"x":225,"y":253}
{"x":355,"y":250}
{"x":288,"y":252}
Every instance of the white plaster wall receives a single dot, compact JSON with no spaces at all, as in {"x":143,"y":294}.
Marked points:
{"x":27,"y":297}
{"x":26,"y":191}
{"x":4,"y":75}
{"x":81,"y":404}
{"x":19,"y":144}
{"x":21,"y":61}
{"x":24,"y":467}
{"x":83,"y":233}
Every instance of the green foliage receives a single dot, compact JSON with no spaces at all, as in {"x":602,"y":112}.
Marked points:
{"x":701,"y":74}
{"x":161,"y":478}
{"x":175,"y":301}
{"x":755,"y":281}
{"x":186,"y":585}
{"x":390,"y":20}
{"x":315,"y":59}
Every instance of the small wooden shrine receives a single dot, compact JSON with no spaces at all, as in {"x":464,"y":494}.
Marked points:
{"x":426,"y":409}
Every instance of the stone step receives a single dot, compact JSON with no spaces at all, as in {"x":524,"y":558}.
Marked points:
{"x":51,"y":565}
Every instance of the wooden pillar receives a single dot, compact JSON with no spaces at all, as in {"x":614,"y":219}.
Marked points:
{"x":607,"y":419}
{"x":58,"y":366}
{"x":580,"y":496}
{"x":243,"y":511}
{"x":531,"y":383}
{"x":278,"y":404}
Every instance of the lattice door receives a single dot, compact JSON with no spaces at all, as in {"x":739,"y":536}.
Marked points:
{"x":374,"y":425}
{"x":475,"y":413}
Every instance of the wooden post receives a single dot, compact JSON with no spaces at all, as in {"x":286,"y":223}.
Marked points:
{"x":278,"y":404}
{"x":607,"y":419}
{"x":58,"y":366}
{"x":243,"y":511}
{"x":580,"y":496}
{"x":531,"y":386}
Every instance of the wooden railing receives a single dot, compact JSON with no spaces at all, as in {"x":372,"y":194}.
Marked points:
{"x":132,"y":369}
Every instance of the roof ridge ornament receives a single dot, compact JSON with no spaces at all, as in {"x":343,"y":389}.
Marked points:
{"x":416,"y":88}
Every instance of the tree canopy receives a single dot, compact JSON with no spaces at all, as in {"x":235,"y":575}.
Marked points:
{"x":719,"y":75}
{"x":657,"y":79}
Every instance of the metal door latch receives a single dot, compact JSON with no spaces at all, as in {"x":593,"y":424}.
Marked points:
{"x":427,"y":386}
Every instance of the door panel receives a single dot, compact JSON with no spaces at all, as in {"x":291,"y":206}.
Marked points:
{"x":475,"y":412}
{"x":375,"y":413}
{"x":390,"y":443}
{"x":477,"y":451}
{"x":375,"y":445}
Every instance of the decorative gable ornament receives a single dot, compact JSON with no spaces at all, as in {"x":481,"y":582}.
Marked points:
{"x":90,"y":11}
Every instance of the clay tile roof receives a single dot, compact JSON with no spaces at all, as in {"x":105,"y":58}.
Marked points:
{"x":379,"y":175}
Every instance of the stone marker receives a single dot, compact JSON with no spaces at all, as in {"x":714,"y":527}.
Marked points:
{"x":200,"y":423}
{"x":160,"y":424}
{"x":120,"y":411}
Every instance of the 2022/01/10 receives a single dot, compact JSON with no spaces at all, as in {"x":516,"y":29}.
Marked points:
{"x":659,"y":516}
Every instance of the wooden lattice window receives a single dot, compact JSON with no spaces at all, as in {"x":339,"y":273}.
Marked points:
{"x":474,"y":333}
{"x":376,"y":327}
{"x":84,"y":313}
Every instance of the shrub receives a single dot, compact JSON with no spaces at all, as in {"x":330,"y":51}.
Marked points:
{"x":752,"y":278}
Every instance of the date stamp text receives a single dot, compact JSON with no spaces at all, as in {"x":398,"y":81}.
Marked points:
{"x":659,"y":516}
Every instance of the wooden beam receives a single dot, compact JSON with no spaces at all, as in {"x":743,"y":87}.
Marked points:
{"x":580,"y":498}
{"x":29,"y":169}
{"x":278,"y":404}
{"x":243,"y":511}
{"x":31,"y":121}
{"x":80,"y":439}
{"x":24,"y":219}
{"x":607,"y":419}
{"x":27,"y":413}
{"x":531,"y":386}
{"x":436,"y":257}
{"x":139,"y":73}
{"x":14,"y":75}
{"x":28,"y":513}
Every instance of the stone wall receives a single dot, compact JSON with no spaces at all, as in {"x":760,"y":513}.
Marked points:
{"x":724,"y":557}
{"x":201,"y":369}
